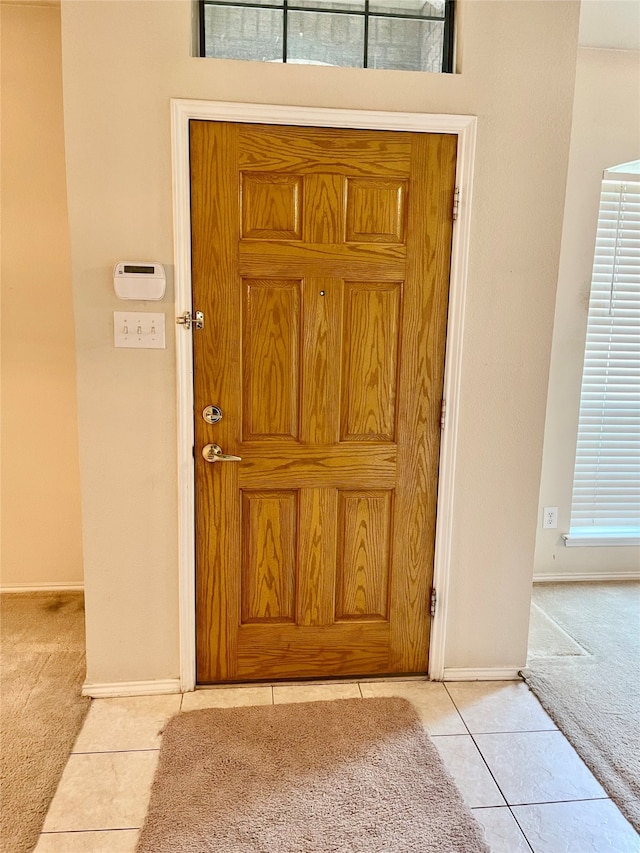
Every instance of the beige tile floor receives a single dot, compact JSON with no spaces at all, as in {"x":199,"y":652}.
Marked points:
{"x":523,"y":781}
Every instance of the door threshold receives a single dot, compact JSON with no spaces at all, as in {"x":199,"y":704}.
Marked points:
{"x":371,"y":679}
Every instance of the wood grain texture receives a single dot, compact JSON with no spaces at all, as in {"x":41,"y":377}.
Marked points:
{"x":323,"y":305}
{"x":317,"y":557}
{"x":375,"y":210}
{"x":364,"y":555}
{"x":215,"y":236}
{"x":313,"y":150}
{"x":370,"y":361}
{"x":324,"y":212}
{"x":271,"y":206}
{"x":346,"y":648}
{"x":420,"y":389}
{"x":363,"y":465}
{"x":269,"y":534}
{"x":326,"y":356}
{"x":357,"y":261}
{"x":271,"y":358}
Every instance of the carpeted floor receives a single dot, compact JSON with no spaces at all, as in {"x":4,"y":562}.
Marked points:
{"x":584,"y":667}
{"x":42,"y":667}
{"x":357,"y":775}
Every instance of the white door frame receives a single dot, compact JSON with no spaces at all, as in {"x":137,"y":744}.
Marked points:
{"x":182,"y":111}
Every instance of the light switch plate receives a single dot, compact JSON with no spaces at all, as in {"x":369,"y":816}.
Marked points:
{"x":138,"y":330}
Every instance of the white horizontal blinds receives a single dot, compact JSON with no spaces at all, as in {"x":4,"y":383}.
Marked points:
{"x":606,"y":488}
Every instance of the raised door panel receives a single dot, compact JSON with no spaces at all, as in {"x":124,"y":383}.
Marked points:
{"x":269,"y":537}
{"x":364,"y":555}
{"x":271,"y":206}
{"x":271,"y":358}
{"x":370,"y":360}
{"x":376,"y":210}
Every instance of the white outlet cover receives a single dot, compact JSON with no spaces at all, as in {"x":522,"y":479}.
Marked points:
{"x":138,"y":330}
{"x":550,"y":517}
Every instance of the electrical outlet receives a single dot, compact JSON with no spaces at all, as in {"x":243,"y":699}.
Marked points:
{"x":549,"y":517}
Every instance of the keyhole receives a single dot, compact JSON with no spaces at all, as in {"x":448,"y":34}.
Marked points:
{"x":322,"y":293}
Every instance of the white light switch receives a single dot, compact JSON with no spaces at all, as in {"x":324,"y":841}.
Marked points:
{"x":138,"y":329}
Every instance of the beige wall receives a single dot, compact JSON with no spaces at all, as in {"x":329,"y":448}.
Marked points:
{"x":41,"y":535}
{"x":605,"y":132}
{"x":122,"y":62}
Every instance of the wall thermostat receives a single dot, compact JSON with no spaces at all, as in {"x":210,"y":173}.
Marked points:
{"x":134,"y":280}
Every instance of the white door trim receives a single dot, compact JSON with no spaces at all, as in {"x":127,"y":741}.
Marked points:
{"x":182,"y":111}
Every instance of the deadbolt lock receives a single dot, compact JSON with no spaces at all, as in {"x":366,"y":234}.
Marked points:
{"x":212,"y":414}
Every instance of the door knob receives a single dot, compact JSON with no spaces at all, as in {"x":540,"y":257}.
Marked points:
{"x":213,"y":453}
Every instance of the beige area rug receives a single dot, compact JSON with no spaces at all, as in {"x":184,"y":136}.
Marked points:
{"x":42,"y":667}
{"x":587,"y":678}
{"x":348,"y":776}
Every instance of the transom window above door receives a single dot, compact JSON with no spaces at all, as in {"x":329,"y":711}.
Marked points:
{"x":405,"y":35}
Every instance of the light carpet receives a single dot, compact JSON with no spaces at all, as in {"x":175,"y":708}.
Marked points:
{"x":587,"y":678}
{"x":42,"y":668}
{"x":347,"y":776}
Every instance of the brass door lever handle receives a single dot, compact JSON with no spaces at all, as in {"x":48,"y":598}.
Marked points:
{"x":213,"y":453}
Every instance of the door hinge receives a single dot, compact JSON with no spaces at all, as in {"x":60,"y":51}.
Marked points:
{"x":456,"y":202}
{"x":433,"y":602}
{"x":443,"y":413}
{"x":187,"y":320}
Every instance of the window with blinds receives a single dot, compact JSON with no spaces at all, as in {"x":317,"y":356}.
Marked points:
{"x":605,"y":507}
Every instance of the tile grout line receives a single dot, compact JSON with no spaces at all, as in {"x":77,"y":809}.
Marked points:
{"x":502,"y":794}
{"x":520,"y":732}
{"x":115,"y":829}
{"x":562,"y":802}
{"x":517,"y":732}
{"x":511,"y":806}
{"x":458,"y":712}
{"x":518,"y":824}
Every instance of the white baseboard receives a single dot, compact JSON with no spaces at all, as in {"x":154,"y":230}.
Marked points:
{"x":38,"y":587}
{"x":131,"y":688}
{"x":489,"y":673}
{"x":584,"y":576}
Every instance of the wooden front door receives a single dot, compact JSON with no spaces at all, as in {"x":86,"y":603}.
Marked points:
{"x":321,"y":264}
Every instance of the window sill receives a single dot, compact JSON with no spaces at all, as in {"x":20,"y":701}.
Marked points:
{"x":582,"y":540}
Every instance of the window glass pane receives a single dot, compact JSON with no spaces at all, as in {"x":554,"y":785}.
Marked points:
{"x":317,"y":37}
{"x":406,"y":45}
{"x":243,"y":33}
{"x":277,"y":3}
{"x":330,"y":32}
{"x":419,"y":8}
{"x":346,"y":5}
